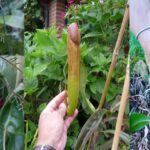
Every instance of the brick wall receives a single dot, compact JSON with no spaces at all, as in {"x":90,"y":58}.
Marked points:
{"x":56,"y":10}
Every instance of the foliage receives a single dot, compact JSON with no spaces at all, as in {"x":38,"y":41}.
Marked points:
{"x":33,"y":15}
{"x":135,"y":47}
{"x":100,"y":121}
{"x":46,"y":67}
{"x":11,"y":86}
{"x":11,"y":114}
{"x":11,"y":93}
{"x":45,"y":62}
{"x":138,"y":77}
{"x":99,"y":25}
{"x":98,"y":22}
{"x":45,"y":57}
{"x":138,"y":121}
{"x":139,"y":99}
{"x":11,"y":27}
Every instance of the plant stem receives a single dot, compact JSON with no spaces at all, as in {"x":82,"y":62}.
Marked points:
{"x":34,"y":139}
{"x":4,"y":138}
{"x":121,"y":109}
{"x":26,"y":135}
{"x":115,"y":56}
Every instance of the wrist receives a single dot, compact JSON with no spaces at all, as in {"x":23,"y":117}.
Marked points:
{"x":44,"y":147}
{"x":46,"y":142}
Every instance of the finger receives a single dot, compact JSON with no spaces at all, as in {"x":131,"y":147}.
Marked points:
{"x":70,"y":119}
{"x":62,"y":109}
{"x":56,"y":101}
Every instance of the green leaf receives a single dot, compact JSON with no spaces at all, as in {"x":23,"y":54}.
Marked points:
{"x":106,"y":145}
{"x":124,"y":136}
{"x":8,"y":71}
{"x":14,"y":142}
{"x":31,"y":82}
{"x":16,"y":21}
{"x":97,"y":86}
{"x":54,"y":72}
{"x":30,"y":131}
{"x":92,"y":35}
{"x":89,"y":128}
{"x":12,"y":125}
{"x":138,"y":121}
{"x":135,"y":47}
{"x":38,"y":69}
{"x":87,"y":105}
{"x":41,"y":107}
{"x":42,"y":39}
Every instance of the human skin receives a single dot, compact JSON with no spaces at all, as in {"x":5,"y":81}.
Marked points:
{"x":140,"y":19}
{"x":53,"y":125}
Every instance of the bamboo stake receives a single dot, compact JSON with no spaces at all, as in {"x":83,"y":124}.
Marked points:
{"x":115,"y":56}
{"x":94,"y":137}
{"x":121,"y":109}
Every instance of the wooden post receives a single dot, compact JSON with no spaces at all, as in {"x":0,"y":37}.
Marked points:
{"x":115,"y":56}
{"x":121,"y":109}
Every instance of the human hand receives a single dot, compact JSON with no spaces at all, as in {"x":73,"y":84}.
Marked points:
{"x":52,"y":125}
